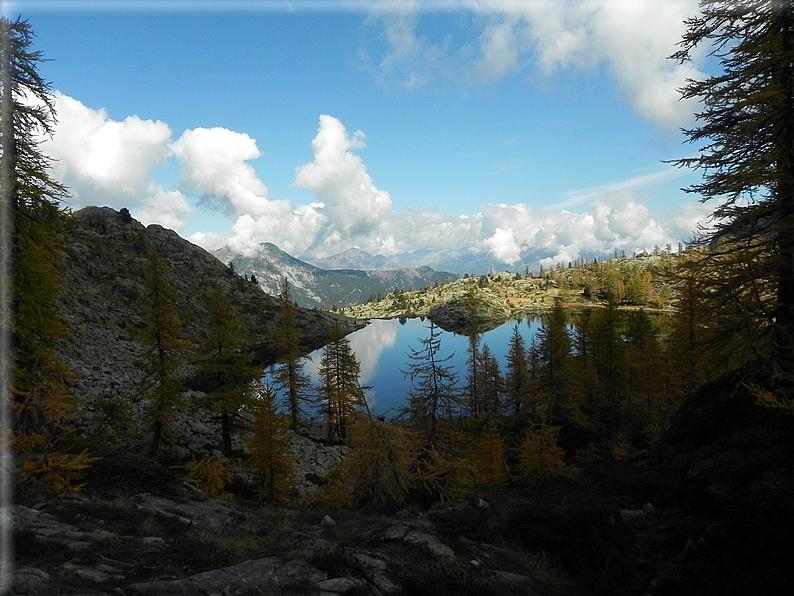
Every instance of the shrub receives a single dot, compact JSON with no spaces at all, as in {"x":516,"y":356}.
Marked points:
{"x":210,"y":474}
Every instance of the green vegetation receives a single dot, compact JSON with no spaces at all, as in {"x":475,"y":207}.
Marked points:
{"x":564,"y":443}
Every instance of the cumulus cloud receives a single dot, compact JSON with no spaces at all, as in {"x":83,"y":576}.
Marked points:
{"x":212,"y":161}
{"x":632,"y":39}
{"x":353,"y":205}
{"x":503,"y":246}
{"x":113,"y":163}
{"x":164,"y":207}
{"x":103,"y":161}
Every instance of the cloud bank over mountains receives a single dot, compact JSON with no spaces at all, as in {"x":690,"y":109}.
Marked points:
{"x":124,"y":163}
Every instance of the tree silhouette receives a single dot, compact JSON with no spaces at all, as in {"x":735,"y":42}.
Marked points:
{"x":746,"y":137}
{"x":434,"y":384}
{"x":341,"y":393}
{"x":289,"y":374}
{"x":518,"y":384}
{"x":474,"y":375}
{"x":225,"y":363}
{"x":165,"y":348}
{"x":491,"y":385}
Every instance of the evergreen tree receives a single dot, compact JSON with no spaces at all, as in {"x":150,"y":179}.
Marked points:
{"x":747,"y":157}
{"x":645,"y":363}
{"x":269,"y":445}
{"x":380,"y":468}
{"x":554,"y":351}
{"x":611,"y":357}
{"x":340,"y":390}
{"x":492,"y":385}
{"x":487,"y":454}
{"x":474,"y":375}
{"x":584,"y":342}
{"x":518,"y":385}
{"x":434,"y":391}
{"x":165,"y":348}
{"x":225,"y":363}
{"x":539,"y":455}
{"x":289,"y":375}
{"x":32,"y":380}
{"x":686,"y":344}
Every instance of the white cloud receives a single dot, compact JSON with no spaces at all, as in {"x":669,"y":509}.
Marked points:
{"x":113,"y":163}
{"x":212,"y":161}
{"x":102,"y":161}
{"x":353,"y":205}
{"x":167,"y":208}
{"x":632,"y":38}
{"x":503,"y":246}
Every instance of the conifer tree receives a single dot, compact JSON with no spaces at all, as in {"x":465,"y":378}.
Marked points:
{"x":165,"y":348}
{"x":269,"y":444}
{"x":554,"y":352}
{"x":746,"y":128}
{"x":584,"y":341}
{"x":487,"y":454}
{"x":434,"y":384}
{"x":518,"y":384}
{"x":539,"y":455}
{"x":32,"y":381}
{"x":289,"y":375}
{"x":380,"y":468}
{"x":492,"y":385}
{"x":686,"y":343}
{"x":340,"y":390}
{"x":473,"y":376}
{"x":611,"y":357}
{"x":225,"y":363}
{"x":644,"y":359}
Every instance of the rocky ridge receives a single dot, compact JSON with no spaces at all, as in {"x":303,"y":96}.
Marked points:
{"x":314,"y":286}
{"x":102,"y":281}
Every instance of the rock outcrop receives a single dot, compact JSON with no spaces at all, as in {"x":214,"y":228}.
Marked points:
{"x":470,"y":313}
{"x":80,"y":546}
{"x":102,"y":303}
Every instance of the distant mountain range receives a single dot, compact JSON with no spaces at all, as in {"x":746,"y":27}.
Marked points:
{"x":452,"y":260}
{"x":348,"y":278}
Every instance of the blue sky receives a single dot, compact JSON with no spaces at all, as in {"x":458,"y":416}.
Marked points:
{"x":508,"y":127}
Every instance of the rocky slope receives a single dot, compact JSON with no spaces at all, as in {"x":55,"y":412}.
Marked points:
{"x":313,"y":286}
{"x":184,"y":543}
{"x":102,"y":285}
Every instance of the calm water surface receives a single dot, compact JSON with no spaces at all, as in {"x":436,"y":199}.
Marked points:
{"x":382,"y":347}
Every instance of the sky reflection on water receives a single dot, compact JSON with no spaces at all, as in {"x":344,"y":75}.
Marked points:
{"x":382,"y":347}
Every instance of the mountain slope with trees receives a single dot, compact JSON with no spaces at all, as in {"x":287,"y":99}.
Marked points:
{"x":608,"y":457}
{"x":314,"y":287}
{"x":645,"y":281}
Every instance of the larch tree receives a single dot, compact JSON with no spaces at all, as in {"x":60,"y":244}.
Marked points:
{"x":434,"y":384}
{"x":518,"y":383}
{"x":491,"y":385}
{"x":340,"y":389}
{"x":269,"y":444}
{"x":224,"y":363}
{"x":165,"y":348}
{"x":745,"y":134}
{"x":32,"y":378}
{"x":290,"y":377}
{"x":487,"y":454}
{"x":554,"y":362}
{"x":474,"y":375}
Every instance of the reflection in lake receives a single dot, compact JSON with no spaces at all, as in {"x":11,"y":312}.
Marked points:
{"x":382,"y":346}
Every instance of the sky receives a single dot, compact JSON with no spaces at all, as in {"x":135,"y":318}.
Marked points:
{"x":500,"y":127}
